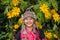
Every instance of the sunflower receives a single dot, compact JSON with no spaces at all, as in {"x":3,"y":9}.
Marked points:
{"x":15,"y":2}
{"x":16,"y":11}
{"x":53,"y":11}
{"x":16,"y":26}
{"x":38,"y":25}
{"x":20,"y":20}
{"x":55,"y":36}
{"x":56,"y":17}
{"x":9,"y":14}
{"x":44,"y":8}
{"x":48,"y":35}
{"x":47,"y":15}
{"x":13,"y":13}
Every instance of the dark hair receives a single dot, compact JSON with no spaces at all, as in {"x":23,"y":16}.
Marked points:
{"x":28,"y":9}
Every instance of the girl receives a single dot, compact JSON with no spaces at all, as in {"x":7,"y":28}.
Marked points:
{"x":29,"y":31}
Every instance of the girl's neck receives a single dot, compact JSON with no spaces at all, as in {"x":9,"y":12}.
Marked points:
{"x":29,"y":28}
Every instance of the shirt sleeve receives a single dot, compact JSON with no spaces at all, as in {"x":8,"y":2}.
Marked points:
{"x":17,"y":36}
{"x":41,"y":33}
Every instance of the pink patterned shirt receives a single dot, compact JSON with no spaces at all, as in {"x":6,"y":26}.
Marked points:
{"x":29,"y":35}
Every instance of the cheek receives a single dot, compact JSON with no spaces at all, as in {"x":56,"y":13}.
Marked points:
{"x":25,"y":21}
{"x":32,"y":21}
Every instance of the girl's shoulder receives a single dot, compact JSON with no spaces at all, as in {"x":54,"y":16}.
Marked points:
{"x":17,"y":36}
{"x":41,"y":33}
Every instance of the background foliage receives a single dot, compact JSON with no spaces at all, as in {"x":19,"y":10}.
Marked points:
{"x":47,"y":17}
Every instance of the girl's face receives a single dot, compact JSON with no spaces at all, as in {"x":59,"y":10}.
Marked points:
{"x":29,"y":21}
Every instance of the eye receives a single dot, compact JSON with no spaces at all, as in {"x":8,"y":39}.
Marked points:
{"x":29,"y":18}
{"x":25,"y":19}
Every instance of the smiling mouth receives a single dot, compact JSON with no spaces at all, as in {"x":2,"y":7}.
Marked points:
{"x":28,"y":23}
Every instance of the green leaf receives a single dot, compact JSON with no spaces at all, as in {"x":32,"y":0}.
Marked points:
{"x":6,"y":10}
{"x":10,"y":36}
{"x":3,"y":35}
{"x":54,"y":4}
{"x":23,"y":4}
{"x":5,"y":2}
{"x":55,"y":27}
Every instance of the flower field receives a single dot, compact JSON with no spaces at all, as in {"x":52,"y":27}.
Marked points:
{"x":47,"y":17}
